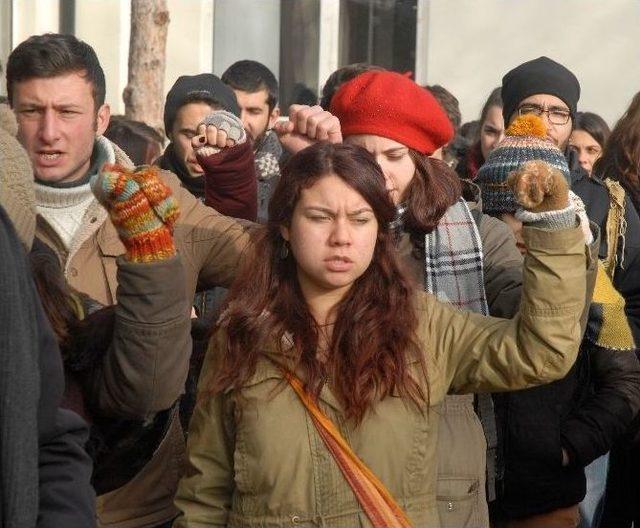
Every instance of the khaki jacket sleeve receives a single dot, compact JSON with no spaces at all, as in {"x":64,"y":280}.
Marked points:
{"x":205,"y":491}
{"x":213,"y":241}
{"x":145,"y":368}
{"x":539,"y":345}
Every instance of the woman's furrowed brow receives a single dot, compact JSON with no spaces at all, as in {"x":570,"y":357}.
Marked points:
{"x":393,"y":150}
{"x":365,"y":209}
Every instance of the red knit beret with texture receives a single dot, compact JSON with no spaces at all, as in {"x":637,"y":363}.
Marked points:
{"x":391,"y":105}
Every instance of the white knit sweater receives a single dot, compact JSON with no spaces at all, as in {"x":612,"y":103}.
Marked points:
{"x":64,"y":208}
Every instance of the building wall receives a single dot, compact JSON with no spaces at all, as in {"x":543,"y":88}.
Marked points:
{"x":246,"y":29}
{"x":465,"y":45}
{"x":472,"y":44}
{"x":189,"y":40}
{"x":105,"y":24}
{"x":30,"y":17}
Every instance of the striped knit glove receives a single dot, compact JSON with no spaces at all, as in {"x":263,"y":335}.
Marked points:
{"x":141,"y":208}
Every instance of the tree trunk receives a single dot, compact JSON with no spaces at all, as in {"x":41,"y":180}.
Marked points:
{"x":144,"y":94}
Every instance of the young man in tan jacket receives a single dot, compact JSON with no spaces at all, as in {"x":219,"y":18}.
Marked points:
{"x":56,"y":87}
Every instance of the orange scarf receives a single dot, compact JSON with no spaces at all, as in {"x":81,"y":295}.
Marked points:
{"x":376,"y":501}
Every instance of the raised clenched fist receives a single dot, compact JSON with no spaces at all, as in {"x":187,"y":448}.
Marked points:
{"x":307,"y":125}
{"x":217,"y":131}
{"x":142,"y":209}
{"x":539,"y":187}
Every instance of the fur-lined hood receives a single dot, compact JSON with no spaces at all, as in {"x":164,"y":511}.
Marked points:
{"x":17,"y":194}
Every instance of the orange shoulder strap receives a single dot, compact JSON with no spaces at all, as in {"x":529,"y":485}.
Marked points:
{"x":376,"y":501}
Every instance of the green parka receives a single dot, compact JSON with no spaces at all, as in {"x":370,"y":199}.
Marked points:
{"x":256,"y":460}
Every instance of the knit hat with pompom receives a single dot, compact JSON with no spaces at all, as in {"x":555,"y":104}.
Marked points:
{"x":525,"y":140}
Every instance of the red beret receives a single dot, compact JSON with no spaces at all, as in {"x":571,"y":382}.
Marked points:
{"x":391,"y":105}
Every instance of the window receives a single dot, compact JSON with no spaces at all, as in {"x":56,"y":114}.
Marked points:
{"x":299,"y":51}
{"x":381,"y":32}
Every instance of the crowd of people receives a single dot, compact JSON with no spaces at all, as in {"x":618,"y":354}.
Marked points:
{"x":363,"y":312}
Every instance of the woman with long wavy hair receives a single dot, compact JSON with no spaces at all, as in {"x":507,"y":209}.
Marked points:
{"x":321,"y":391}
{"x":620,"y":158}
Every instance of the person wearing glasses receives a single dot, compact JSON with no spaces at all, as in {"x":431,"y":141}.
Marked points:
{"x":549,"y":90}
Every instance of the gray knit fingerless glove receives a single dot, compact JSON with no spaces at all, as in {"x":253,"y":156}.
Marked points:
{"x":227,"y":122}
{"x":562,"y":219}
{"x":553,"y":220}
{"x":581,"y":211}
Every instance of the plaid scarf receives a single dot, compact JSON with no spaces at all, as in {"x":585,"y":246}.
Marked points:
{"x":453,"y":269}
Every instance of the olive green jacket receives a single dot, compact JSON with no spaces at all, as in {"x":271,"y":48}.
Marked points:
{"x":255,"y":458}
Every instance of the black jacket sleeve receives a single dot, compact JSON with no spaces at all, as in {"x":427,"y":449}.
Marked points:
{"x":19,"y":385}
{"x":607,"y":411}
{"x":66,"y":496}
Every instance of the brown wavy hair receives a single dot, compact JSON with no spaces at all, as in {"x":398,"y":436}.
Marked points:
{"x":620,"y":158}
{"x":434,"y":188}
{"x":374,"y":337}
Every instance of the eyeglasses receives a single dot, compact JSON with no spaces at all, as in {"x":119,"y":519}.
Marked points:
{"x":557,"y":116}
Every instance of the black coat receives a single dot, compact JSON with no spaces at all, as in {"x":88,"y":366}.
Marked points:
{"x":44,"y":469}
{"x":626,"y":278}
{"x":584,"y":413}
{"x":66,"y":496}
{"x":19,"y":383}
{"x":621,"y":504}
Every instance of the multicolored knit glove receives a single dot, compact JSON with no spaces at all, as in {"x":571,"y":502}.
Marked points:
{"x":141,"y":208}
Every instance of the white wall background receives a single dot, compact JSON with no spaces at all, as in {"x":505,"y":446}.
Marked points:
{"x":465,"y":45}
{"x":246,"y":29}
{"x":472,"y":43}
{"x":105,"y":24}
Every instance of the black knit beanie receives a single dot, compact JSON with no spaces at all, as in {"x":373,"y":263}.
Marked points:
{"x":539,"y":76}
{"x":206,"y":85}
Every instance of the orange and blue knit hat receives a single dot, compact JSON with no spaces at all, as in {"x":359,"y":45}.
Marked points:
{"x":525,"y":140}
